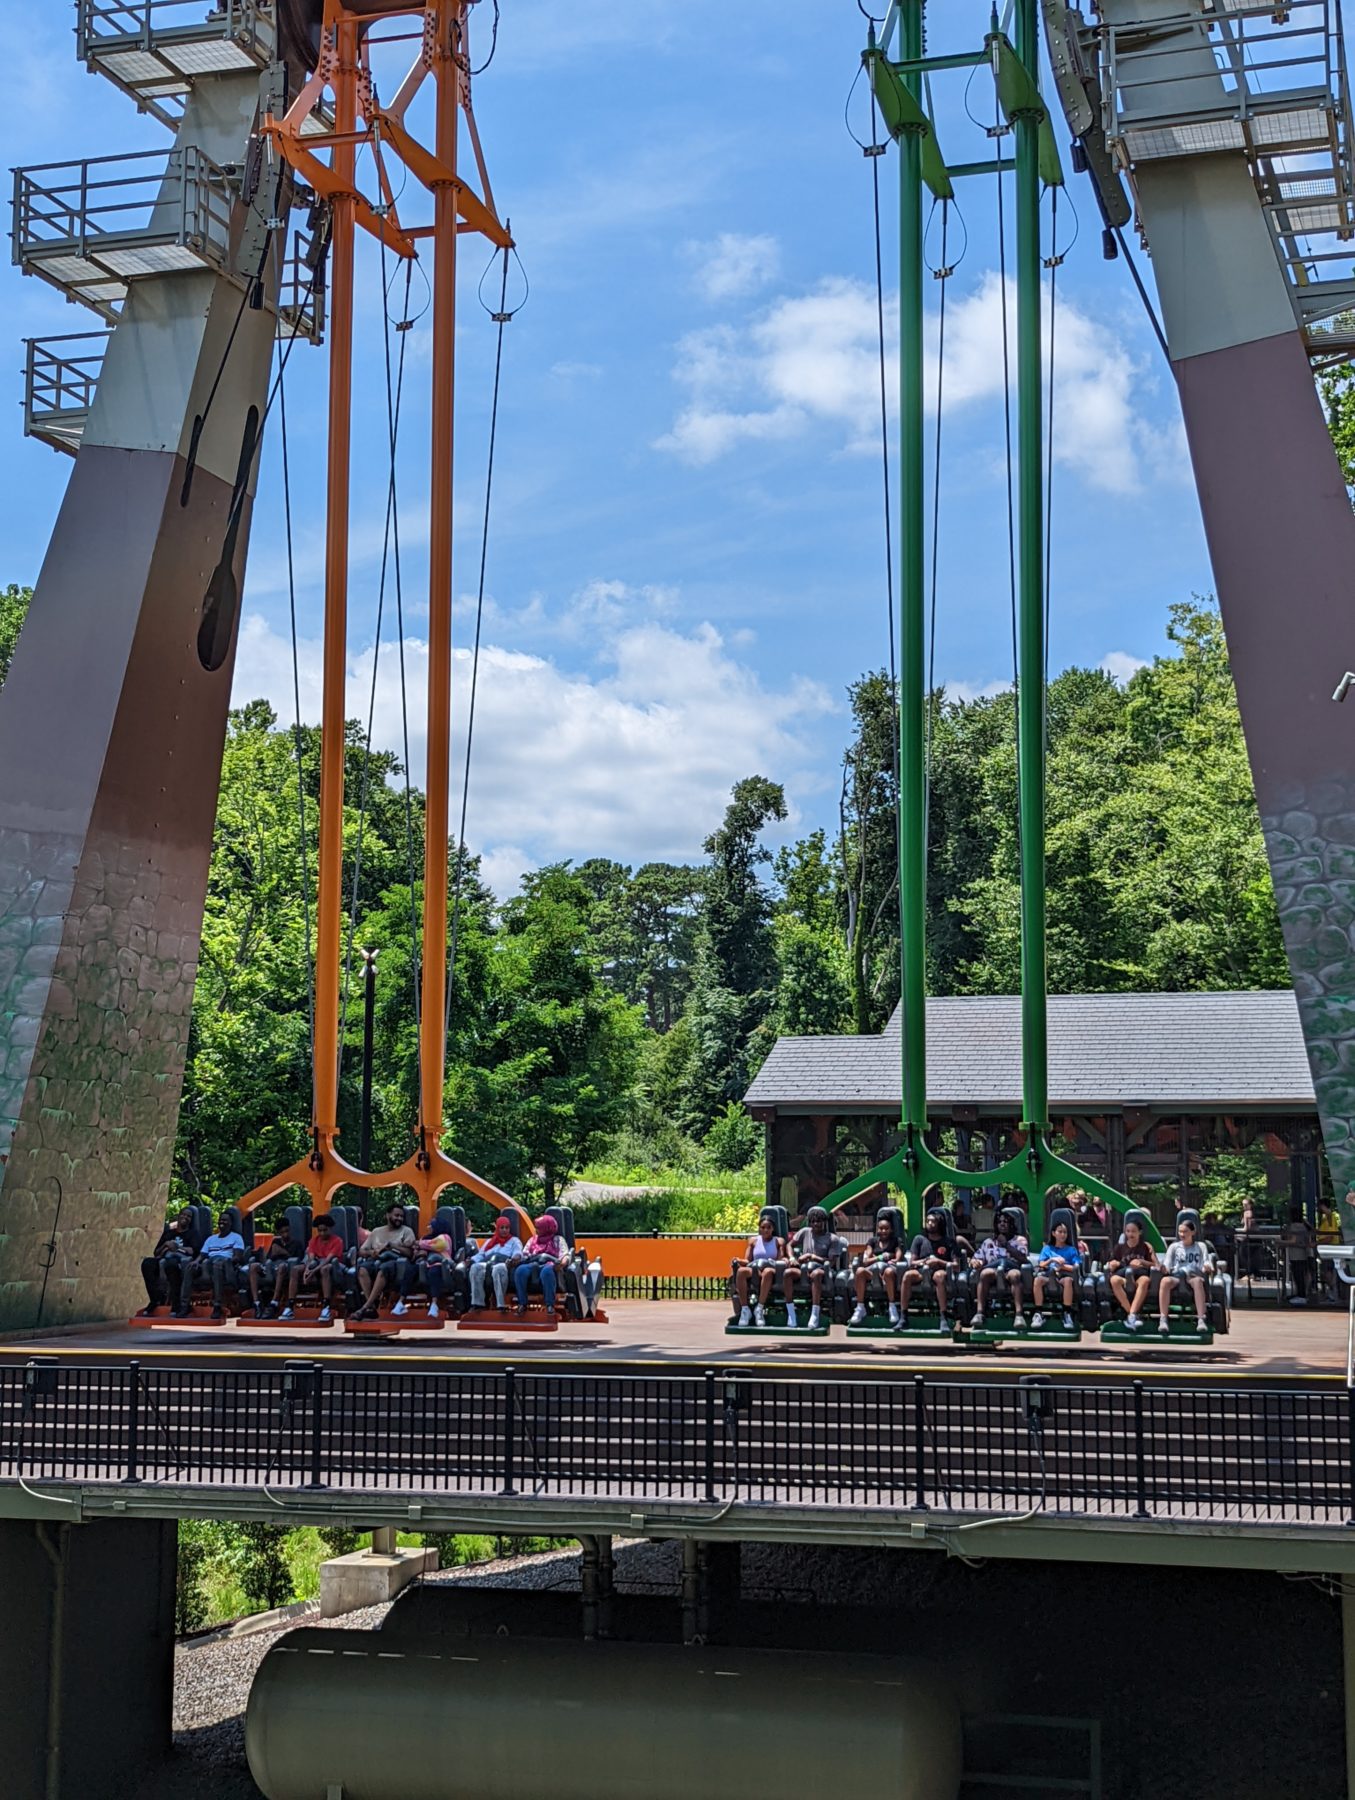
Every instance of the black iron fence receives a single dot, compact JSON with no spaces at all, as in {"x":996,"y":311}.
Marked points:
{"x":934,"y":1446}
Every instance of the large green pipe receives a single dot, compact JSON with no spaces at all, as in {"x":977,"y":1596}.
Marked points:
{"x":912,"y":610}
{"x":381,"y":1716}
{"x":1031,"y":654}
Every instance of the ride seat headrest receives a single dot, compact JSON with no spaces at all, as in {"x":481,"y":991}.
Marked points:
{"x":1063,"y":1215}
{"x":1189,"y":1212}
{"x":564,"y":1218}
{"x":1015,"y":1217}
{"x":894,"y":1214}
{"x":779,"y":1216}
{"x":449,"y":1222}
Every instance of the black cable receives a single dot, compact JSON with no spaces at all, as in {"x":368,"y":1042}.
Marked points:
{"x":943,"y":276}
{"x":1054,"y":260}
{"x":1007,"y":419}
{"x":1153,"y":319}
{"x":296,"y":731}
{"x":502,"y":318}
{"x":493,"y":43}
{"x":416,"y":957}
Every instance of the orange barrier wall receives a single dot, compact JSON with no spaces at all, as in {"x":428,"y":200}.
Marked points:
{"x":662,"y":1256}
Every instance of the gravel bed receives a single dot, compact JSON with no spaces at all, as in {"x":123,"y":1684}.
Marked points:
{"x":212,"y":1681}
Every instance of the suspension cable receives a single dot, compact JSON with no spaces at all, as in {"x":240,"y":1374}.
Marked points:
{"x":1053,"y":266}
{"x":393,"y":432}
{"x":943,"y":275}
{"x":501,"y":318}
{"x":1000,"y":132}
{"x":416,"y":955}
{"x":296,"y":728}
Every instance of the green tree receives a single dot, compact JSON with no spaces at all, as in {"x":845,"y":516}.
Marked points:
{"x":813,"y":986}
{"x":868,"y":848}
{"x":734,"y":980}
{"x":14,"y":603}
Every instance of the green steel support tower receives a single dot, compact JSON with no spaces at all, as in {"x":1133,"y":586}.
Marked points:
{"x":899,"y":87}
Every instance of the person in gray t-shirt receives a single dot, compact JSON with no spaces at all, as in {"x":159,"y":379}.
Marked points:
{"x":1187,"y":1263}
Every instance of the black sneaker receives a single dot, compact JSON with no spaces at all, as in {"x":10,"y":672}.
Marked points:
{"x":218,"y":1312}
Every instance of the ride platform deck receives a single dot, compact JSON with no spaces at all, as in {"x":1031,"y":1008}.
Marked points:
{"x":1287,"y":1345}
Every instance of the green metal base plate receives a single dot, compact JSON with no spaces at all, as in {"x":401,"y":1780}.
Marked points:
{"x":782,"y":1330}
{"x":921,"y":1327}
{"x":1182,"y":1331}
{"x":1051,"y":1332}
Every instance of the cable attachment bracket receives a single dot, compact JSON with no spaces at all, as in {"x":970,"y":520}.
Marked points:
{"x":874,"y":149}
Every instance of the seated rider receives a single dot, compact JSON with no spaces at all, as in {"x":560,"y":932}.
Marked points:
{"x":1130,"y":1269}
{"x":934,"y":1254}
{"x":764,"y":1255}
{"x":1001,"y":1257}
{"x":429,"y":1267}
{"x":219,"y":1265}
{"x":163,"y":1270}
{"x":1187,"y":1263}
{"x":814,"y":1253}
{"x":1059,"y":1261}
{"x":543,"y":1258}
{"x":273,"y":1266}
{"x":323,"y":1266}
{"x":881,"y":1260}
{"x":379,"y":1259}
{"x":493,"y":1261}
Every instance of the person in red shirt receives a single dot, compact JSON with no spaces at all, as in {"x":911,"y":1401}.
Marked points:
{"x":323,"y":1264}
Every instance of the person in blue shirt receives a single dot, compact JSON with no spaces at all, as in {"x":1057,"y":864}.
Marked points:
{"x":219,"y":1263}
{"x":1060,"y":1260}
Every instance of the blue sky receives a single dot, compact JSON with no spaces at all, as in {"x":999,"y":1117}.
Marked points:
{"x":686,"y":561}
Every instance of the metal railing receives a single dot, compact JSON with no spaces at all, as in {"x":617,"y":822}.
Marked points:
{"x":61,"y":375}
{"x":155,"y":49}
{"x":932,"y":1447}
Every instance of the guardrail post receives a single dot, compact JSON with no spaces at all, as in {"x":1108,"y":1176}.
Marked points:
{"x":133,"y":1391}
{"x":510,"y":1401}
{"x":1140,"y":1456}
{"x":920,"y":1437}
{"x":654,"y":1280}
{"x":315,"y":1478}
{"x":710,"y":1434}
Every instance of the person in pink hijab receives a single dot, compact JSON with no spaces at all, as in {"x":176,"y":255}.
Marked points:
{"x":543,"y":1257}
{"x":494,"y":1260}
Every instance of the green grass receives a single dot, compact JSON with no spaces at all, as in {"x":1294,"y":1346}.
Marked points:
{"x":744,"y":1183}
{"x":674,"y":1209}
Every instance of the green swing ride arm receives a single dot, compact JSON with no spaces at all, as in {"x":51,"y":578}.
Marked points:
{"x":897,"y":86}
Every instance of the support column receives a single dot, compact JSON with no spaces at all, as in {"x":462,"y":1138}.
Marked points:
{"x":86,"y":1656}
{"x":1348,"y":1673}
{"x":111,"y":730}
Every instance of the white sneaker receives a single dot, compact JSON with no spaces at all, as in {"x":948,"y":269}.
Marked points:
{"x":1067,"y":1321}
{"x":1202,"y":1326}
{"x":1133,"y":1323}
{"x":759,"y":1315}
{"x":977,"y":1322}
{"x":858,"y":1317}
{"x":433,"y":1311}
{"x":814,"y":1318}
{"x":746,"y":1315}
{"x":325,"y":1315}
{"x":399,"y":1310}
{"x":792,"y":1318}
{"x":894,"y":1314}
{"x":1019,"y":1322}
{"x":1037,"y":1321}
{"x":287,"y":1312}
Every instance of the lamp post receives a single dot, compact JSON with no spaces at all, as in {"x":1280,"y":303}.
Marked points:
{"x":368,"y":1031}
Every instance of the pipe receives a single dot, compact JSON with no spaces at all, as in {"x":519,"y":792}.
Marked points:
{"x":55,"y":1654}
{"x":396,"y":1718}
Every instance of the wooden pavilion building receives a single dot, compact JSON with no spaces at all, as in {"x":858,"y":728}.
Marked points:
{"x":1144,"y":1089}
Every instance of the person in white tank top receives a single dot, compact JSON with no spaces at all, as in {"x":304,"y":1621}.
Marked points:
{"x":765,"y":1254}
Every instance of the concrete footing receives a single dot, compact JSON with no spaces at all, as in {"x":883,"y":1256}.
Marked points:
{"x":370,"y":1577}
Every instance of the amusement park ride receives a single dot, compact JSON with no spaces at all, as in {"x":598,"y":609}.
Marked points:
{"x":1222,"y":127}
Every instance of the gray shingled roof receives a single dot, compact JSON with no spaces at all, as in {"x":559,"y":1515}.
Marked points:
{"x":1211,"y":1051}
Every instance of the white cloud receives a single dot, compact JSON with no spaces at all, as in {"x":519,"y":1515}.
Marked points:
{"x":813,"y":359}
{"x":967,"y":691}
{"x":1120,"y":665}
{"x":732,"y":266}
{"x":634,"y":759}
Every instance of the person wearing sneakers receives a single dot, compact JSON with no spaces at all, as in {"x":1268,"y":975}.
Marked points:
{"x":1059,"y":1261}
{"x":542,"y":1262}
{"x":933,"y":1255}
{"x":1130,"y":1267}
{"x":381,"y":1256}
{"x":272,"y":1267}
{"x":815,"y":1253}
{"x":765,"y":1254}
{"x":219,"y":1265}
{"x":323,"y":1265}
{"x":1188,"y":1263}
{"x":881,"y":1259}
{"x":493,"y":1261}
{"x":1002,"y":1257}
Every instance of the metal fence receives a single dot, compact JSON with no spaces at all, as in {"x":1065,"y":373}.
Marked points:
{"x":932,"y":1446}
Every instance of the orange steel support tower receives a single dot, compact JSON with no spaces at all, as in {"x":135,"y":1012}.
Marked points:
{"x":343,"y":70}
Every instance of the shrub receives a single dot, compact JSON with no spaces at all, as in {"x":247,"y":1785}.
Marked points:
{"x":191,"y":1607}
{"x":733,"y":1141}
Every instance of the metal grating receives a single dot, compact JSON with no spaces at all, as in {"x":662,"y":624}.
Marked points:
{"x":153,"y":49}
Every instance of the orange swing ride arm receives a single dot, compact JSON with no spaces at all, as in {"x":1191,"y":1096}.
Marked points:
{"x":343,"y":71}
